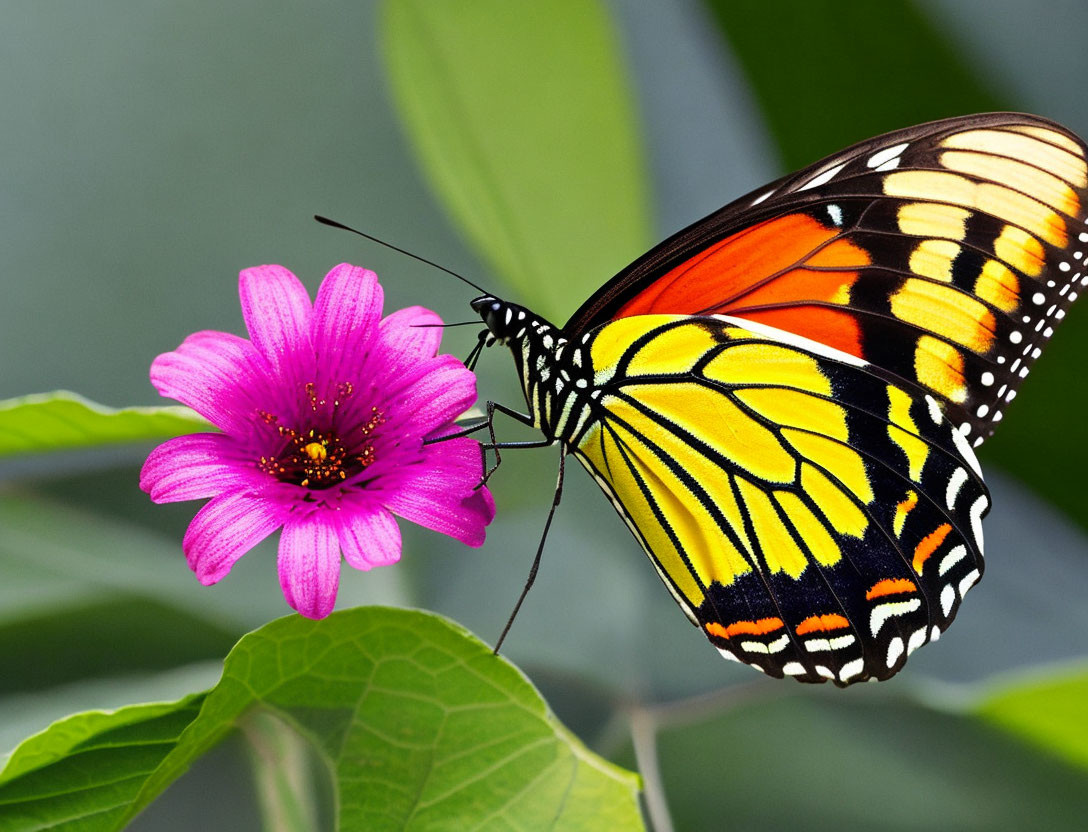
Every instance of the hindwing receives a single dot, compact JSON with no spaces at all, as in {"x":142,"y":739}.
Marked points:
{"x":811,"y":515}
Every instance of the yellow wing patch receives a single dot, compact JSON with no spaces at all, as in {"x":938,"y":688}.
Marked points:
{"x":754,"y":363}
{"x":721,"y":471}
{"x":945,"y":311}
{"x":904,"y":433}
{"x":933,"y":219}
{"x":1042,"y":154}
{"x":939,"y":366}
{"x":997,"y":285}
{"x":933,"y":259}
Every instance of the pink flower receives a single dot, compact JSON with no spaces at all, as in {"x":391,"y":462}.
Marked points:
{"x":323,"y":413}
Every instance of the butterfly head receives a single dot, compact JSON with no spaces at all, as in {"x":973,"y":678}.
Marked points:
{"x":505,"y":322}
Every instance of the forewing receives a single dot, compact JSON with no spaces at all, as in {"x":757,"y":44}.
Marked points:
{"x":812,"y":518}
{"x":945,"y":253}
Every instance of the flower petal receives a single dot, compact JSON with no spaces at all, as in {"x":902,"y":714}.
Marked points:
{"x":438,"y":492}
{"x":369,"y":537}
{"x":219,"y":375}
{"x":195,"y":467}
{"x":309,"y":565}
{"x":277,"y":311}
{"x":346,"y":314}
{"x":408,"y":335}
{"x":224,"y":530}
{"x":433,"y":394}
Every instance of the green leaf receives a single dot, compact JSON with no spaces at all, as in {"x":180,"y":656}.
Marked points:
{"x":1049,"y":713}
{"x":523,"y":121}
{"x":827,"y":74}
{"x":417,"y":722}
{"x":66,"y":421}
{"x":772,"y":757}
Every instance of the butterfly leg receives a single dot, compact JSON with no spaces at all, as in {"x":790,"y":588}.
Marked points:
{"x":495,"y":445}
{"x":539,"y":549}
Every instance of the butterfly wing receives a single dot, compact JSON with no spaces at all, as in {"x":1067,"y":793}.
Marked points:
{"x":811,"y":517}
{"x":945,"y":253}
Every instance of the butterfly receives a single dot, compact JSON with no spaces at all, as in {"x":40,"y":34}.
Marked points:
{"x":782,"y":400}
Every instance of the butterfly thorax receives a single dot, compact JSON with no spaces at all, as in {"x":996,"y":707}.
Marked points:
{"x":555,"y":376}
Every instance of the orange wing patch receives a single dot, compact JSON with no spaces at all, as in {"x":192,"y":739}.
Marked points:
{"x":791,"y":260}
{"x":928,"y":545}
{"x":822,"y":624}
{"x":745,"y":628}
{"x":890,"y":586}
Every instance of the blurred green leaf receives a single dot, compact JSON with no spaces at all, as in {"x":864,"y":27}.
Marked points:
{"x":62,"y":644}
{"x":791,"y":758}
{"x":523,"y":121}
{"x":64,"y":421}
{"x":1051,"y":713}
{"x":416,"y":720}
{"x":827,"y":74}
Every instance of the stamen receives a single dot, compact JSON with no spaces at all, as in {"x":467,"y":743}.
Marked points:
{"x":316,"y":451}
{"x":318,"y":459}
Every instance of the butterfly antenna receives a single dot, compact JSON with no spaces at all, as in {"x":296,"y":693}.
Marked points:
{"x":445,"y":325}
{"x":342,"y":227}
{"x":539,"y":549}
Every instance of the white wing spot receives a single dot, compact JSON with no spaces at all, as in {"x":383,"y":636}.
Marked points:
{"x":822,"y":178}
{"x":951,"y":559}
{"x":882,"y":156}
{"x":969,"y":580}
{"x":895,"y":650}
{"x":934,"y":409}
{"x":977,"y":509}
{"x":881,"y":614}
{"x":948,"y":598}
{"x":1038,"y":298}
{"x":966,"y":452}
{"x":727,"y":655}
{"x":916,"y":640}
{"x":955,"y":483}
{"x":851,"y":669}
{"x":794,"y":669}
{"x":1015,"y":336}
{"x":758,"y":200}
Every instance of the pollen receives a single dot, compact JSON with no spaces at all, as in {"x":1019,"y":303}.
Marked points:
{"x":315,"y":458}
{"x":316,"y":451}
